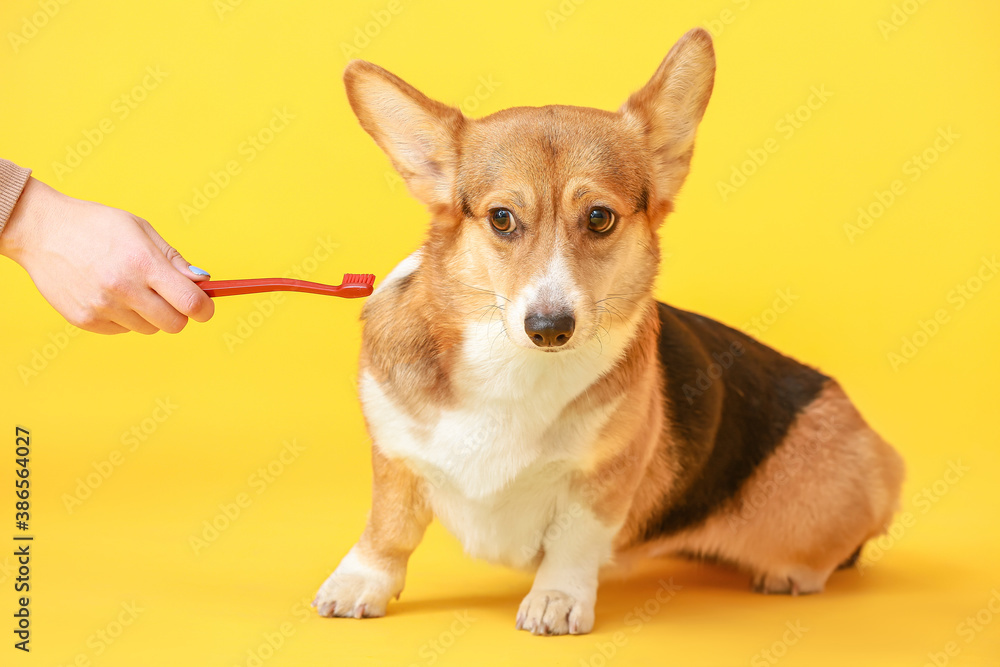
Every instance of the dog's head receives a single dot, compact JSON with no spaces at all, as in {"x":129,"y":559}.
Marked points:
{"x":550,"y":211}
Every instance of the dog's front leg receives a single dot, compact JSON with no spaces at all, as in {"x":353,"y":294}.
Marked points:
{"x":374,"y":570}
{"x":562,"y":598}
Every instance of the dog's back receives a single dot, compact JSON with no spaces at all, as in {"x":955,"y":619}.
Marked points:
{"x":771,"y":465}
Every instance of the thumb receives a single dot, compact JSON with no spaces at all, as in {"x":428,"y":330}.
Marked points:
{"x":190,"y":272}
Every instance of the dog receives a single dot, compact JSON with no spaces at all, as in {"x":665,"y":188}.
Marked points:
{"x":521,"y":383}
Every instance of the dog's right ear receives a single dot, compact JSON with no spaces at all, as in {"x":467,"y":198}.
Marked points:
{"x":419,"y":135}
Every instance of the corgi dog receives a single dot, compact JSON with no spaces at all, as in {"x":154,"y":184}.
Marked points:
{"x":522,"y":384}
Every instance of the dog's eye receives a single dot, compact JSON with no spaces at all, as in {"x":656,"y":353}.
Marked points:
{"x":502,"y":220}
{"x":601,"y":220}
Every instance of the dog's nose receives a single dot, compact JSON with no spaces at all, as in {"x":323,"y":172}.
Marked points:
{"x":549,"y":330}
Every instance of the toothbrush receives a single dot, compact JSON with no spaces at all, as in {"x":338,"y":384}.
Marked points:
{"x":354,"y":285}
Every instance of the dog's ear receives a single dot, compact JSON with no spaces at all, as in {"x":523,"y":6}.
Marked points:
{"x":669,"y":108}
{"x":418,"y":134}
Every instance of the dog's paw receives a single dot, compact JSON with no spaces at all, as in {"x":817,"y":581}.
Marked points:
{"x":554,"y":613}
{"x":355,"y":590}
{"x":803,"y":583}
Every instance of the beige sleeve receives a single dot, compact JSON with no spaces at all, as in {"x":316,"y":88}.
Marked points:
{"x":12,"y":180}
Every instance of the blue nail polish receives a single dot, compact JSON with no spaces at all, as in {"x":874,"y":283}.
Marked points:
{"x":198,"y":272}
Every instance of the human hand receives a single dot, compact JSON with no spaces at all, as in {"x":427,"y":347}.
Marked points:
{"x":103,"y":269}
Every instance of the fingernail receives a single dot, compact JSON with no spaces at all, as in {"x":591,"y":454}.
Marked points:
{"x":198,"y":272}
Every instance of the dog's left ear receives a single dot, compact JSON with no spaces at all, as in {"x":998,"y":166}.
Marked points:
{"x":669,"y":108}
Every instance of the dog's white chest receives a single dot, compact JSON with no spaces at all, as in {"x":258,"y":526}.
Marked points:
{"x":498,"y":462}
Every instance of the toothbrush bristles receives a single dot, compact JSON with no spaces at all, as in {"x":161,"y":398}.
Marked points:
{"x":359,"y":278}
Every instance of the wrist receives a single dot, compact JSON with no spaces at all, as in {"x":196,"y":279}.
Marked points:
{"x":25,"y":219}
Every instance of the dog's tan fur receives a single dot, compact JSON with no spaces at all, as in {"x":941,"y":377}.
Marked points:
{"x":602,"y":460}
{"x":830,"y":486}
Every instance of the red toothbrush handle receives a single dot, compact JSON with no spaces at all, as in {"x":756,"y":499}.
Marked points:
{"x":215,"y":288}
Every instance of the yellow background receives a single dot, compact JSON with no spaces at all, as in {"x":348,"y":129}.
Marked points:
{"x":292,"y":377}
